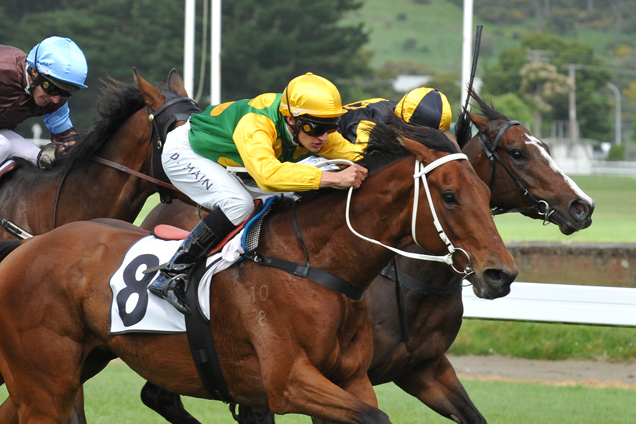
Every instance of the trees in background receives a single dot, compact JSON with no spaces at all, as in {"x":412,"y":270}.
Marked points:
{"x":265,"y":44}
{"x":591,"y":78}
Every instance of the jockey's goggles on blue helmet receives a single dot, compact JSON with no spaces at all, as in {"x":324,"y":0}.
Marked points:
{"x":53,"y":87}
{"x":315,"y":127}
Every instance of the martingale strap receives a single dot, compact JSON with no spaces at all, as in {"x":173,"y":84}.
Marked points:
{"x":402,"y":279}
{"x":314,"y":274}
{"x":392,"y":273}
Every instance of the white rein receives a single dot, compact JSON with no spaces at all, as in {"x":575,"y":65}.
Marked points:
{"x":420,"y":173}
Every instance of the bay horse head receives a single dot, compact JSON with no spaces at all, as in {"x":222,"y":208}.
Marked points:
{"x":520,"y":172}
{"x":452,"y":189}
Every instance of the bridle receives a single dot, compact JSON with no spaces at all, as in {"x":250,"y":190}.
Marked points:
{"x":540,"y":207}
{"x":176,"y":108}
{"x":420,"y":174}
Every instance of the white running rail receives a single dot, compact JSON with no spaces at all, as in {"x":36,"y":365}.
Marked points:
{"x":562,"y":303}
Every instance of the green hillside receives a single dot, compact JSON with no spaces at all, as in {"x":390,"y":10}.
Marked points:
{"x":430,"y":34}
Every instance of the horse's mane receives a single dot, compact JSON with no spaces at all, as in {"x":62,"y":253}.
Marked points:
{"x":117,"y":102}
{"x":385,"y":147}
{"x":463,"y":131}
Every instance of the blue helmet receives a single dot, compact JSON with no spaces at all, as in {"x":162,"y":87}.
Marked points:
{"x":61,"y":60}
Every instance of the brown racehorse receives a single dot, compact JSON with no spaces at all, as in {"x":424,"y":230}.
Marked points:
{"x":302,"y":348}
{"x":433,"y":301}
{"x":78,"y":187}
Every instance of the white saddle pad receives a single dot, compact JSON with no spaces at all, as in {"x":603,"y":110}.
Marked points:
{"x":135,"y":309}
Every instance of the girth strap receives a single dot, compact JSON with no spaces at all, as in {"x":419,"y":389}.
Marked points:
{"x":202,"y":345}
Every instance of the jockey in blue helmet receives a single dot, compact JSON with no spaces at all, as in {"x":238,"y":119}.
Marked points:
{"x":39,"y":84}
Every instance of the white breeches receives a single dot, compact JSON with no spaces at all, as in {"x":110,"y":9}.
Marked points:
{"x":14,"y":145}
{"x":203,"y":180}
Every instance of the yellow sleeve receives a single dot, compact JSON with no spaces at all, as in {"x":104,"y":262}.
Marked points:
{"x":256,"y":141}
{"x":338,"y":147}
{"x":362,"y":134}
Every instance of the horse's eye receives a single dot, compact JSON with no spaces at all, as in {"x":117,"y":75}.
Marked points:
{"x":449,"y":198}
{"x":516,"y":154}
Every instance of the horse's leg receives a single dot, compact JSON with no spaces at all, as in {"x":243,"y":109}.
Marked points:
{"x":8,"y":412}
{"x":436,"y":384}
{"x":43,"y":399}
{"x":41,"y":364}
{"x":305,"y":386}
{"x":360,"y":390}
{"x":253,"y":415}
{"x":77,"y":412}
{"x":166,"y":404}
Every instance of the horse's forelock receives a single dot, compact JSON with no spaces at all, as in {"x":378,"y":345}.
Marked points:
{"x":488,"y":111}
{"x":384,"y":144}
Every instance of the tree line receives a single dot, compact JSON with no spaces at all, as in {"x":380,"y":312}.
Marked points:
{"x":265,"y":44}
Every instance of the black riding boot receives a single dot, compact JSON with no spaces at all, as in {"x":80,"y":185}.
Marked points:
{"x":173,"y":276}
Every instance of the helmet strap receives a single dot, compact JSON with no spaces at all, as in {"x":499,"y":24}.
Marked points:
{"x":295,"y":130}
{"x":35,"y":81}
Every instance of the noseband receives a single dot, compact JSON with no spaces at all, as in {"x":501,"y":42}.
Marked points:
{"x":541,"y":207}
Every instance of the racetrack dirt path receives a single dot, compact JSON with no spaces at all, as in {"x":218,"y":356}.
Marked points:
{"x":566,"y":372}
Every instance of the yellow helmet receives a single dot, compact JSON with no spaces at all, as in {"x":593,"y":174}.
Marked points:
{"x":425,"y":106}
{"x":313,"y":95}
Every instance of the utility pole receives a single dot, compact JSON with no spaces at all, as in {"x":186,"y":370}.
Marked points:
{"x":215,"y":52}
{"x":188,"y":46}
{"x":466,"y":47}
{"x":618,"y":136}
{"x":574,"y":125}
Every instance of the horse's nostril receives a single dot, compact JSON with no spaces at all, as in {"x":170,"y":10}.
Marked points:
{"x":580,"y":210}
{"x":497,"y":276}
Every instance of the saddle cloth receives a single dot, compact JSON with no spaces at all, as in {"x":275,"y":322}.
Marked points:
{"x":135,"y":309}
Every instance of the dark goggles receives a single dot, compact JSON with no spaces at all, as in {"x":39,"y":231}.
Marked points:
{"x":316,"y":129}
{"x":51,"y":89}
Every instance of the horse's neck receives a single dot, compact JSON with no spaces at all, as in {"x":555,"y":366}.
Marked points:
{"x":478,"y":159}
{"x":380,"y":210}
{"x":38,"y":201}
{"x":503,"y":192}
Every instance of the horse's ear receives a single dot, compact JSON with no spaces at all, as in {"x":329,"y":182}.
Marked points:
{"x":151,"y":95}
{"x":481,"y":122}
{"x":451,"y":137}
{"x":417,"y":149}
{"x":175,"y":83}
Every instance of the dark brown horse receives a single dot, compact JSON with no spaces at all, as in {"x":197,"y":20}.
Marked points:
{"x":79,"y":187}
{"x":522,"y":178}
{"x":301,"y":348}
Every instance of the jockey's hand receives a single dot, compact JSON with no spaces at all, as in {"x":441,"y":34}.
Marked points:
{"x":351,"y":176}
{"x":63,"y":141}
